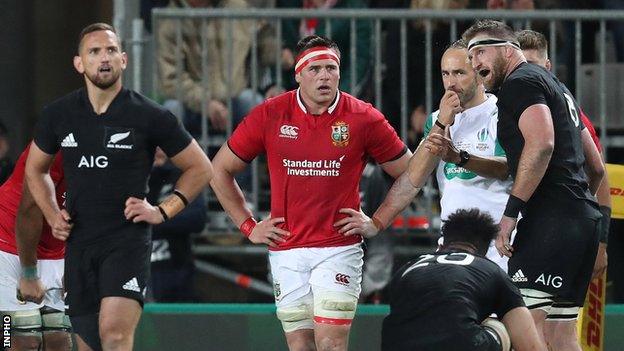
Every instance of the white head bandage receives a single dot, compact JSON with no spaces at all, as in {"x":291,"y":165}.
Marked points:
{"x":477,"y":42}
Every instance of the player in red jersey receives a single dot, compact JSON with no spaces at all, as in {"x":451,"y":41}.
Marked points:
{"x":317,"y":141}
{"x":38,"y":315}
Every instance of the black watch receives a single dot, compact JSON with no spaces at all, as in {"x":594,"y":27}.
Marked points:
{"x":464,"y":156}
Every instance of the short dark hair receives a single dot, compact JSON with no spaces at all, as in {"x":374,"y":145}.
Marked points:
{"x":95,"y":27}
{"x":532,"y":40}
{"x":312,"y":41}
{"x":496,"y":29}
{"x":470,"y":226}
{"x":458,"y":44}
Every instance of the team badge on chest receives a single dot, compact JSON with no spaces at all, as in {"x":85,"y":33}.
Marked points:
{"x":340,"y":134}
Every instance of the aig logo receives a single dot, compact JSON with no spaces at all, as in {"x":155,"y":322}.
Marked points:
{"x":290,"y":132}
{"x":91,"y":161}
{"x":554,"y":281}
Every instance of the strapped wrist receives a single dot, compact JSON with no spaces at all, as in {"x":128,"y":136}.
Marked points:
{"x":514,"y":206}
{"x":247,"y":226}
{"x":30,"y":273}
{"x":605,"y":222}
{"x":172,"y":205}
{"x":377,"y":223}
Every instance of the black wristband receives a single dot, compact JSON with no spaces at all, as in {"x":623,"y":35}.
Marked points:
{"x":605,"y":221}
{"x":514,"y":206}
{"x":181,"y":196}
{"x":439,"y":124}
{"x":464,"y":157}
{"x":163,"y":213}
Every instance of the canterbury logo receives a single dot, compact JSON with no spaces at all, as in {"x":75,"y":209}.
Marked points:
{"x":117,"y":137}
{"x":342,"y":278}
{"x":287,"y":131}
{"x":69,"y":141}
{"x":519,"y":277}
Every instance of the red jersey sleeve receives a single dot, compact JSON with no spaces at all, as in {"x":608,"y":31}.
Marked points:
{"x":382,"y":142}
{"x":247,"y":141}
{"x":588,"y":124}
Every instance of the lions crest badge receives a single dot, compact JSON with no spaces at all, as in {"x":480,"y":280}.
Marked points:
{"x":340,"y":134}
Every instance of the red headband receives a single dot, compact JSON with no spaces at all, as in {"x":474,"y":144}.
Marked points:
{"x":314,"y":54}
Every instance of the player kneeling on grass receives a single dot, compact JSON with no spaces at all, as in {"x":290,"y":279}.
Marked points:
{"x":442,"y":300}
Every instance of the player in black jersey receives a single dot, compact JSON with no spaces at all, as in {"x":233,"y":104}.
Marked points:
{"x":441,"y":301}
{"x":108,"y":136}
{"x":560,"y":327}
{"x":540,"y":129}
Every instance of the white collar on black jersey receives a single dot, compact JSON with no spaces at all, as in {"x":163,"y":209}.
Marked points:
{"x":330,"y":109}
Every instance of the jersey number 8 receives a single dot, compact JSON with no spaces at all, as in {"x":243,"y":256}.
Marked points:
{"x":572,"y":108}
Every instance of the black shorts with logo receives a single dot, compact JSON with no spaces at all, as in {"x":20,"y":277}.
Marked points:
{"x":555,"y":254}
{"x":117,"y":267}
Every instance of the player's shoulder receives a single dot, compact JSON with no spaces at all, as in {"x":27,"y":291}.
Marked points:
{"x":139,"y":100}
{"x":65,"y":102}
{"x":364,"y":111}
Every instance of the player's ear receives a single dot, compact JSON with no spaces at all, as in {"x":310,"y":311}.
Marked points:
{"x":548,"y":64}
{"x":124,"y":60}
{"x":298,"y":78}
{"x":78,"y":64}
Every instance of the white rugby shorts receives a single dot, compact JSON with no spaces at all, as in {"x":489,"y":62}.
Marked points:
{"x":51,"y":273}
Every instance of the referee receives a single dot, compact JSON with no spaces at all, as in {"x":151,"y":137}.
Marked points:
{"x":108,"y":136}
{"x":540,"y":129}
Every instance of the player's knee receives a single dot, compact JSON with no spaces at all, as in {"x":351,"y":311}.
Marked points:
{"x":26,"y":343}
{"x":497,"y":329}
{"x":56,"y":328}
{"x":112,"y":335}
{"x":295,"y":317}
{"x":334,"y":307}
{"x":57,"y":341}
{"x":561,"y":334}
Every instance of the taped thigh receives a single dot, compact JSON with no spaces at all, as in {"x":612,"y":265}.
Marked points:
{"x":54,"y":320}
{"x":295,"y":317}
{"x":26,"y":323}
{"x":563,"y":311}
{"x":535,"y":299}
{"x":334,"y":307}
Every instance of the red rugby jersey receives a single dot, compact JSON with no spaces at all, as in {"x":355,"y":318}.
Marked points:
{"x":588,"y":124}
{"x":11,"y":193}
{"x":315,"y":162}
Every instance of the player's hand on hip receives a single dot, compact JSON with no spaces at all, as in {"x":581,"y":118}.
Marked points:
{"x":61,"y":226}
{"x":505,"y":227}
{"x":357,"y":222}
{"x":601,"y":261}
{"x":31,"y":290}
{"x":266,"y":232}
{"x":139,"y":210}
{"x":449,"y":106}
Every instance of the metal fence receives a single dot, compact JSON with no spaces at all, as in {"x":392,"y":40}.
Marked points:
{"x":602,"y":100}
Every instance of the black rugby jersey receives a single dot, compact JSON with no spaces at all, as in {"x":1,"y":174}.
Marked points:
{"x":565,"y":178}
{"x":439,"y":301}
{"x":107,"y":158}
